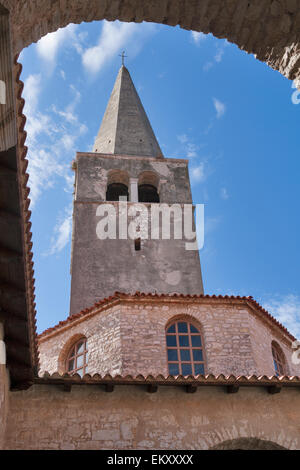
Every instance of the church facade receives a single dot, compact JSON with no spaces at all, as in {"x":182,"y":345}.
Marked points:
{"x":146,"y":360}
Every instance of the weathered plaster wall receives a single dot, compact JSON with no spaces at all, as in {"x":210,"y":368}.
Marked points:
{"x":92,"y":171}
{"x":130,"y":339}
{"x":45,"y":417}
{"x":101,"y":267}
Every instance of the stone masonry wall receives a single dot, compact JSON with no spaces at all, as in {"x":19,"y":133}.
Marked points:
{"x":99,"y":267}
{"x":261,"y":342}
{"x":130,"y":339}
{"x":103,"y":339}
{"x":235,"y":341}
{"x":46,"y":417}
{"x":93,"y":169}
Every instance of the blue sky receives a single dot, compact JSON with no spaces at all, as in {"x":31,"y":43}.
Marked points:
{"x":232,"y":116}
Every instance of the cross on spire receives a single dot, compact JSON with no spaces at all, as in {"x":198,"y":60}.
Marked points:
{"x":123,"y":56}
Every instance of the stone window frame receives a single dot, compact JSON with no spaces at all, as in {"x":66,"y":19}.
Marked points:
{"x":195,"y":323}
{"x":66,"y":349}
{"x":74,"y":354}
{"x":279,"y":359}
{"x":149,"y":178}
{"x":117,"y":176}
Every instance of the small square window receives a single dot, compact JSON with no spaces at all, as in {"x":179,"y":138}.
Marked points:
{"x":171,"y":329}
{"x":182,"y":327}
{"x":197,"y":355}
{"x":172,"y":355}
{"x":199,"y":369}
{"x":185,"y":355}
{"x":171,"y":340}
{"x":196,"y":341}
{"x":183,"y":340}
{"x":186,"y":369}
{"x":173,"y":369}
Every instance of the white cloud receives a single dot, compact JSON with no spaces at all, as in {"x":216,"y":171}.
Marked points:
{"x":198,"y":37}
{"x":69,"y":112}
{"x":32,"y":89}
{"x":286,"y":309}
{"x":62,"y":232}
{"x":182,"y":138}
{"x":190,"y":149}
{"x":224,"y":193}
{"x":68,"y":141}
{"x":48,"y":46}
{"x":43,"y":169}
{"x":217,"y":57}
{"x":219,"y":54}
{"x":113,"y":38}
{"x":219,"y":107}
{"x":198,"y":173}
{"x":207,"y":66}
{"x":50,"y":141}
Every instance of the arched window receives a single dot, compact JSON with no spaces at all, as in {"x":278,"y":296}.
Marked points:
{"x":117,"y":185}
{"x":147,"y":187}
{"x":115,"y":190}
{"x":278,"y":359}
{"x":148,"y":193}
{"x":184,"y":349}
{"x":77,"y":360}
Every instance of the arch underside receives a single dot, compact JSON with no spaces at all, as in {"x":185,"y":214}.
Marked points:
{"x":268,"y":29}
{"x":247,"y":443}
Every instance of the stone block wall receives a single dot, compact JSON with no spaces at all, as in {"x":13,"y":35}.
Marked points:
{"x":103,"y":335}
{"x":46,"y":417}
{"x":129,"y":338}
{"x":99,"y":267}
{"x":92,"y":171}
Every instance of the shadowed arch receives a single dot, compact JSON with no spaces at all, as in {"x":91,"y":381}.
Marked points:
{"x":148,"y":187}
{"x":247,"y":443}
{"x":117,"y":185}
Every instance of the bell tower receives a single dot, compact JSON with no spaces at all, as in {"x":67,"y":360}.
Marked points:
{"x":125,"y":171}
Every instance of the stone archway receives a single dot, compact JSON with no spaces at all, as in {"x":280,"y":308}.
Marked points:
{"x":247,"y":443}
{"x":267,"y":28}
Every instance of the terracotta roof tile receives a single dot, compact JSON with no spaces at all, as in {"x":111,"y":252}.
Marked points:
{"x":118,"y":296}
{"x":25,"y":202}
{"x":198,"y":380}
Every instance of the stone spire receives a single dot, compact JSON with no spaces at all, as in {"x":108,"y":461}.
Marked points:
{"x":125,"y":128}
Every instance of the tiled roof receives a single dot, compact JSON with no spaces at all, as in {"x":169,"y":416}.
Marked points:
{"x":25,"y":203}
{"x":119,"y":296}
{"x":231,"y":382}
